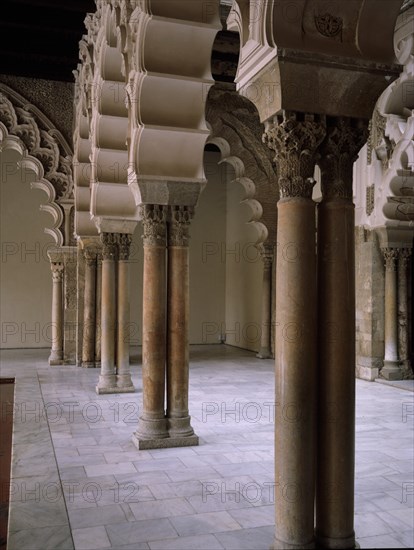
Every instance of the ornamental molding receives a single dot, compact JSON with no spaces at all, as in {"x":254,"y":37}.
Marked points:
{"x":24,"y":128}
{"x":328,"y":25}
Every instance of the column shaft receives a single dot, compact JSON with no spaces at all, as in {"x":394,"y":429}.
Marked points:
{"x":265,"y":351}
{"x":152,"y":425}
{"x":98,"y":311}
{"x":336,"y":309}
{"x":56,"y":355}
{"x":107,"y":378}
{"x":177,"y":332}
{"x":403,"y":323}
{"x":391,"y":369}
{"x":295,"y":142}
{"x":89,"y":319}
{"x":124,"y":381}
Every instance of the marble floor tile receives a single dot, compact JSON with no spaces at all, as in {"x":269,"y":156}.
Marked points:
{"x":212,"y":522}
{"x":200,"y":542}
{"x":90,"y":538}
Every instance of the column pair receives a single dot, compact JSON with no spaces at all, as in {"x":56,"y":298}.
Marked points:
{"x":92,"y":307}
{"x":396,"y":338}
{"x":315,"y":333}
{"x":115,"y":374}
{"x":165,"y":351}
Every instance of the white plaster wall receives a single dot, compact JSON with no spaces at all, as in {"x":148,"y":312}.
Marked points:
{"x":207,"y":268}
{"x":25,"y":276}
{"x":244,"y":272}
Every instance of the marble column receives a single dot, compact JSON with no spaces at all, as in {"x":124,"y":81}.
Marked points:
{"x":107,"y":378}
{"x":98,"y":310}
{"x":391,"y":369}
{"x":336,"y":311}
{"x":89,"y":313}
{"x":124,"y":381}
{"x":56,"y":354}
{"x":403,"y":323}
{"x":295,"y":138}
{"x":178,"y":312}
{"x":152,"y":424}
{"x":266,"y":253}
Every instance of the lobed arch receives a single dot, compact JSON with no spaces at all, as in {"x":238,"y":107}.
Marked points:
{"x":236,"y":130}
{"x":43,"y":150}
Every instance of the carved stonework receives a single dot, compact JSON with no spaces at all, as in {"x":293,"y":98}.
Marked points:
{"x":295,"y":143}
{"x":124,"y":245}
{"x":57,"y":271}
{"x":328,"y":25}
{"x":404,"y":256}
{"x":42,"y":140}
{"x":109,"y":246}
{"x":90,"y":256}
{"x":70,"y":285}
{"x":370,"y":199}
{"x":154,"y":218}
{"x":179,"y":225}
{"x":338,"y":152}
{"x":390,"y":257}
{"x":378,"y":142}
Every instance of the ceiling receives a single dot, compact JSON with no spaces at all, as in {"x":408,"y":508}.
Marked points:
{"x":39,"y":38}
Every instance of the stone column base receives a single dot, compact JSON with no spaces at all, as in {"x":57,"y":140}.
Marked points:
{"x":336,"y":544}
{"x":264,"y":353}
{"x":88,"y":364}
{"x":391,"y":370}
{"x":56,"y":358}
{"x":124,"y":383}
{"x":282,"y":545}
{"x":107,"y":384}
{"x":165,"y":443}
{"x":180,"y":427}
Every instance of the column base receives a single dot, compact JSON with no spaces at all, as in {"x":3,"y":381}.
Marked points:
{"x":165,"y":443}
{"x":336,"y":543}
{"x":124,"y":384}
{"x":56,"y":358}
{"x":88,"y":364}
{"x":391,"y":370}
{"x":264,"y":353}
{"x":97,"y":364}
{"x":282,"y":545}
{"x":107,"y":384}
{"x":180,"y":427}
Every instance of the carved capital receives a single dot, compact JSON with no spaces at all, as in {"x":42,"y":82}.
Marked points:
{"x":404,"y":256}
{"x":154,"y":222}
{"x":295,"y":142}
{"x":378,"y":142}
{"x":90,"y":254}
{"x":390,"y":257}
{"x":124,"y":245}
{"x":179,"y":225}
{"x":109,"y":246}
{"x":339,"y":151}
{"x":57,"y":271}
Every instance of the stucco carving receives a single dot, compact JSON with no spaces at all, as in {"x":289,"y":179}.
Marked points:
{"x":43,"y":149}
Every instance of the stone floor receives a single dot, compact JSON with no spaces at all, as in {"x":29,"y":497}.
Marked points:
{"x":78,"y":481}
